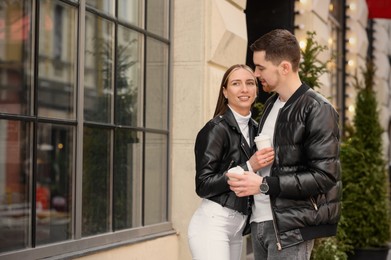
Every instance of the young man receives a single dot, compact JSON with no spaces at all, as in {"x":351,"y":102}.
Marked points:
{"x":297,"y":198}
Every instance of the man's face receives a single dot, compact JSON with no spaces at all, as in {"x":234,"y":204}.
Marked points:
{"x":266,"y":72}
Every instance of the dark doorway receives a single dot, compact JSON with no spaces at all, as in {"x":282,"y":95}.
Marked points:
{"x":262,"y":17}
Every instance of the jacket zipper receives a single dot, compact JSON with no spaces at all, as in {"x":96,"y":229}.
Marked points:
{"x":278,"y":244}
{"x":230,"y":164}
{"x":279,"y":248}
{"x":242,"y":145}
{"x":314,"y":204}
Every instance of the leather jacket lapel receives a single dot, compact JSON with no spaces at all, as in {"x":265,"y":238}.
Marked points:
{"x":243,"y":143}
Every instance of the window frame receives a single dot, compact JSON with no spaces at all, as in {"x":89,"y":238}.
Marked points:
{"x":78,"y":245}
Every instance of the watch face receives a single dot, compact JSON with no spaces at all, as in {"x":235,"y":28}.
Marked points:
{"x":264,"y":188}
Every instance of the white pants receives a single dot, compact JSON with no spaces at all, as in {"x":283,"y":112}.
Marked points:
{"x":215,"y":232}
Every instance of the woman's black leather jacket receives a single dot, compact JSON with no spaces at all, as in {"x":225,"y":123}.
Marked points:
{"x":305,"y":185}
{"x":220,"y":146}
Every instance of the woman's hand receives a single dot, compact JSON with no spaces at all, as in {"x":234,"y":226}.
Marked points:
{"x":262,"y":158}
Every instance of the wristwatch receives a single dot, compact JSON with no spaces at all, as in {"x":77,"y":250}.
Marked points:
{"x":264,"y":187}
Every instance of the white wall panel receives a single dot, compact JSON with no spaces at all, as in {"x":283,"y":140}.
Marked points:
{"x":321,"y":8}
{"x":227,"y":34}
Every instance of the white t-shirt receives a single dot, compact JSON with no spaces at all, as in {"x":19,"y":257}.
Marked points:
{"x":261,"y":207}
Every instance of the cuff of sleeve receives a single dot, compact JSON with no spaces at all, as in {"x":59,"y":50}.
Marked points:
{"x":274,"y":186}
{"x":250,"y":169}
{"x":243,"y":166}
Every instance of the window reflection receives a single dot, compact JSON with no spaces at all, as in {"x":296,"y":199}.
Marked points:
{"x":54,"y":183}
{"x":129,"y":78}
{"x":16,"y":57}
{"x":157,"y":13}
{"x":98,"y":70}
{"x":155,"y":179}
{"x":96,"y":172}
{"x":106,"y":6}
{"x":57,"y":60}
{"x":15,"y":173}
{"x":131,"y":11}
{"x":157,"y":85}
{"x":127,"y":178}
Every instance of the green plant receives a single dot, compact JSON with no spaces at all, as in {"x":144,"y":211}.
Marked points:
{"x":257,"y":110}
{"x":311,"y":68}
{"x":328,"y":249}
{"x":364,"y":176}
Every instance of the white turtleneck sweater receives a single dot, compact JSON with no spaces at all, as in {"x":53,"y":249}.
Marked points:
{"x":243,"y":125}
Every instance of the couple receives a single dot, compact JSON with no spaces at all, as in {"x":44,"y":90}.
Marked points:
{"x":289,"y":194}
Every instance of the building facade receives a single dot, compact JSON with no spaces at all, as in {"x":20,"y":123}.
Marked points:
{"x":101,"y":101}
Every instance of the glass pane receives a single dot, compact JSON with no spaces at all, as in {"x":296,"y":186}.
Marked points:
{"x":131,"y":11}
{"x":129,"y":78}
{"x":106,"y":6}
{"x":155,"y":201}
{"x":16,"y":57}
{"x":55,"y":153}
{"x":157,"y":17}
{"x":157,"y":85}
{"x":15,"y":172}
{"x":98,"y":70}
{"x":57,"y":60}
{"x":127,"y":179}
{"x":96,"y":172}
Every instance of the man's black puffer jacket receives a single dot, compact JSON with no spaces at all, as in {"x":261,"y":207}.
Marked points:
{"x":220,"y":146}
{"x":305,"y":185}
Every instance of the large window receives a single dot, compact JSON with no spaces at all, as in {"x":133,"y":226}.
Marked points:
{"x":84,"y":130}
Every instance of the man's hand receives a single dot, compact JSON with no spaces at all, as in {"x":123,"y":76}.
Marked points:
{"x":244,"y":184}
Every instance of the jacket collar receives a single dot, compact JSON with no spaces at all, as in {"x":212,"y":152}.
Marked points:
{"x":230,"y":119}
{"x":300,"y":91}
{"x":269,"y":103}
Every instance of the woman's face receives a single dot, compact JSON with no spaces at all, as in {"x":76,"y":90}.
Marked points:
{"x":241,"y":91}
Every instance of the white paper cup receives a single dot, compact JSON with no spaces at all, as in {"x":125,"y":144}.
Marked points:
{"x":238,"y":170}
{"x":262,"y":141}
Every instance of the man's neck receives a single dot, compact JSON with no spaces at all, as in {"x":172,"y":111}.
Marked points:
{"x":289,"y":88}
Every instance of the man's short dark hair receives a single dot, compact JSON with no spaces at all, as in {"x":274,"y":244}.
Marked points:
{"x":279,"y":45}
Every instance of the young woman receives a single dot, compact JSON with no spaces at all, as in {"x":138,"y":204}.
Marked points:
{"x":225,"y":142}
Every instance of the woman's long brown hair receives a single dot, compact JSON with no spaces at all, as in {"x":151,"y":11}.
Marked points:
{"x":222,"y":102}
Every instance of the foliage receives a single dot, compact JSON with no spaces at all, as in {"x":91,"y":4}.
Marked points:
{"x":365,"y":201}
{"x":257,"y":110}
{"x":311,"y":68}
{"x":328,"y":249}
